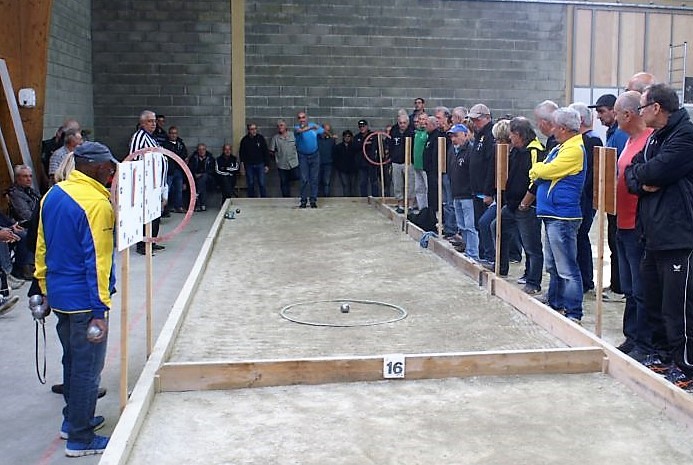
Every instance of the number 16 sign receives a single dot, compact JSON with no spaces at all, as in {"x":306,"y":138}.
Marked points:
{"x":393,"y":366}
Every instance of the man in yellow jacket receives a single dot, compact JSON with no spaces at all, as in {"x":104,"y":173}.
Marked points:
{"x":559,"y":180}
{"x":74,"y":271}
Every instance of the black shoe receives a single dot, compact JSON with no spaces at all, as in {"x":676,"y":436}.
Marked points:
{"x":156,"y":246}
{"x":313,"y":205}
{"x":626,"y":346}
{"x":141,"y":250}
{"x":303,"y":205}
{"x":58,"y":389}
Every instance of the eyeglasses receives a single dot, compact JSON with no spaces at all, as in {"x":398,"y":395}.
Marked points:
{"x":642,"y":107}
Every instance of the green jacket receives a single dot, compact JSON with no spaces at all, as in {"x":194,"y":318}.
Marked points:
{"x":420,"y":138}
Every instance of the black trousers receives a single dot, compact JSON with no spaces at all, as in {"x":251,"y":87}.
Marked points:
{"x":667,"y":281}
{"x":611,"y":238}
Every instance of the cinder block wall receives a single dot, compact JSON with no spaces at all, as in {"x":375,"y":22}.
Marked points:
{"x":340,"y":60}
{"x":69,"y":92}
{"x":169,"y":56}
{"x":344,"y":60}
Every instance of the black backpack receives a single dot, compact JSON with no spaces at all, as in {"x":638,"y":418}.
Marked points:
{"x":425,"y":219}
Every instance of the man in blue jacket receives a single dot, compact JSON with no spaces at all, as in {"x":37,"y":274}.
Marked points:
{"x":74,"y":271}
{"x":560,"y":179}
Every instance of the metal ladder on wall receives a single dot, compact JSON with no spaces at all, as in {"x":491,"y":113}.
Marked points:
{"x":677,"y":68}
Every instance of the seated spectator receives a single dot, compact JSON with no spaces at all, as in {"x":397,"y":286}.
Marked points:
{"x":203,"y":167}
{"x":23,"y":201}
{"x":227,"y":171}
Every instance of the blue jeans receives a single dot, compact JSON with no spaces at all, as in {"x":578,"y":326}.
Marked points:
{"x":255,"y":174}
{"x":636,"y":328}
{"x":325,"y":179}
{"x":175,"y":189}
{"x":82,"y":365}
{"x":464,"y":215}
{"x":560,"y":258}
{"x":5,"y":258}
{"x":487,"y":236}
{"x":310,"y":171}
{"x":449,"y":221}
{"x":530,"y":231}
{"x":584,"y":249}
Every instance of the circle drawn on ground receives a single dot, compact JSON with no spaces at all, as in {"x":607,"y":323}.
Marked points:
{"x":331,"y":313}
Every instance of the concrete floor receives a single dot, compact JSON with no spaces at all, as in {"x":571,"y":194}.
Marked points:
{"x":275,"y":255}
{"x":345,"y":251}
{"x":31,"y":413}
{"x":529,"y":420}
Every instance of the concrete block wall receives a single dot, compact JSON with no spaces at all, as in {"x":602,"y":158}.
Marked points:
{"x":351,"y":59}
{"x":340,"y":60}
{"x":169,"y":56}
{"x":69,"y":92}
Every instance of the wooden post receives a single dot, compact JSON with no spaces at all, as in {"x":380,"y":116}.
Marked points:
{"x":407,"y":164}
{"x":600,"y":248}
{"x":382,"y":168}
{"x":501,"y":180}
{"x":149,"y":289}
{"x":441,"y":169}
{"x":124,"y":294}
{"x":605,"y":173}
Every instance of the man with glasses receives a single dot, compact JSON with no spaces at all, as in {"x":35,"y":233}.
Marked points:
{"x":283,"y":147}
{"x":662,"y":177}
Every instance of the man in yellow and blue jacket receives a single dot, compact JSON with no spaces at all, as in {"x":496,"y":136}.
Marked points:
{"x":559,"y":180}
{"x":75,"y":273}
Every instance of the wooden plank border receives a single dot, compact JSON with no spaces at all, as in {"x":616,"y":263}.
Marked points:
{"x":132,"y":418}
{"x":676,"y":403}
{"x":195,"y":376}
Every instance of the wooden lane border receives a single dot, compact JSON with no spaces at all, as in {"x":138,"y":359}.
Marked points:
{"x":676,"y":403}
{"x":132,"y":418}
{"x":195,"y":376}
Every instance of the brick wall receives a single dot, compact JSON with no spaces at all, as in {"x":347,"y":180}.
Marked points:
{"x":343,"y":60}
{"x":169,"y":56}
{"x":340,"y":60}
{"x":69,"y":78}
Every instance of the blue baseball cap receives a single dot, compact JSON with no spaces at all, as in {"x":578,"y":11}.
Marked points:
{"x":94,"y":152}
{"x":458,"y":128}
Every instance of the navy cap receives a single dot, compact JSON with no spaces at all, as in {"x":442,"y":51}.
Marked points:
{"x":458,"y":128}
{"x":94,"y":152}
{"x":606,"y":100}
{"x":363,"y":122}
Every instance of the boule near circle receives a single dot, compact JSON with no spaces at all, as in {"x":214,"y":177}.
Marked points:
{"x":238,"y":210}
{"x":345,"y":307}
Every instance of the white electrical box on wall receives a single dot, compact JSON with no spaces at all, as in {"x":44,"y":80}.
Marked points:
{"x":27,"y":98}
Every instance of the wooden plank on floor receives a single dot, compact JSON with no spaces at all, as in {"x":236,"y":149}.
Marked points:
{"x":132,"y":418}
{"x":193,"y":376}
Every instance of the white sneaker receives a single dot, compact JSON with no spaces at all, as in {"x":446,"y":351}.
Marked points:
{"x":609,"y":296}
{"x":14,"y":283}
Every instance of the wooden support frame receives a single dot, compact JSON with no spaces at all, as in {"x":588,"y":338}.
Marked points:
{"x":192,"y":376}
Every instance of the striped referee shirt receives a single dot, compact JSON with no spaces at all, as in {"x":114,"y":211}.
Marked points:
{"x":142,"y":139}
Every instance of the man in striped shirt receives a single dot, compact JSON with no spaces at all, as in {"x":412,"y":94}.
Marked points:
{"x":142,"y":138}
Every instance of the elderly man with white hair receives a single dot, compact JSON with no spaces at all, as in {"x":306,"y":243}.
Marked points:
{"x":560,"y":179}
